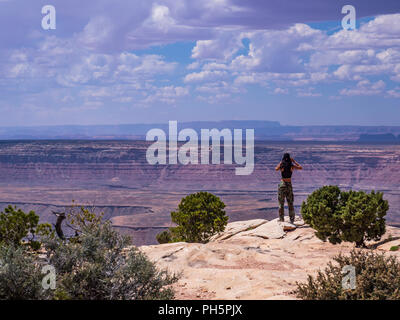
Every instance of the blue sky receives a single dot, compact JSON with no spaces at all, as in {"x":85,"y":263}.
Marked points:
{"x":111,"y":62}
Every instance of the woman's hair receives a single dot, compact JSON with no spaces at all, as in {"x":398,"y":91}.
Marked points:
{"x":286,"y":158}
{"x":286,"y":161}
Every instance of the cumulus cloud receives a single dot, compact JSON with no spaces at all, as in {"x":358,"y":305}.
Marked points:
{"x":281,"y":91}
{"x":395,"y":93}
{"x":365,"y":88}
{"x":297,"y":56}
{"x":95,"y":57}
{"x":301,"y":56}
{"x":223,"y":47}
{"x":278,"y":51}
{"x":205,"y":75}
{"x":167,"y":94}
{"x":308,"y":92}
{"x":160,"y":18}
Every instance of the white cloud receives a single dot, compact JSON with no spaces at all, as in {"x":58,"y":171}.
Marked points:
{"x":131,"y":65}
{"x":365,"y":88}
{"x":394,"y":93}
{"x":380,"y":32}
{"x":97,"y":32}
{"x":281,"y":91}
{"x":222,"y":48}
{"x":214,"y":99}
{"x":160,"y":18}
{"x":205,"y":76}
{"x":280,"y":56}
{"x":372,"y":50}
{"x":97,"y":61}
{"x":308,"y":92}
{"x":277,"y":50}
{"x":193,"y":65}
{"x":167,"y":94}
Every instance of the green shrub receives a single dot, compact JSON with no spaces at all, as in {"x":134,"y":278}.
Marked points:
{"x":16,"y":225}
{"x":353,"y":216}
{"x":97,"y":264}
{"x":20,"y":275}
{"x":164,"y":237}
{"x":377,"y":278}
{"x":199,"y":216}
{"x":394,"y":248}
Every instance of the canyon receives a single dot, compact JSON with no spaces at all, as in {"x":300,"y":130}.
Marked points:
{"x":114,"y":176}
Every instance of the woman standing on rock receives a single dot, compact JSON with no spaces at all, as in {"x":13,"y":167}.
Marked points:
{"x":285,"y":190}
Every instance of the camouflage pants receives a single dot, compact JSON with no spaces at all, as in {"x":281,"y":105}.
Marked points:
{"x":285,"y":191}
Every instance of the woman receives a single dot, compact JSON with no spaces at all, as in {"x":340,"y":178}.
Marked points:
{"x":286,"y":167}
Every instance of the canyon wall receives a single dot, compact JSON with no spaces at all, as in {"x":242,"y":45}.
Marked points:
{"x":138,"y":197}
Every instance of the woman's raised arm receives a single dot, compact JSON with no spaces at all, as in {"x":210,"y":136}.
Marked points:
{"x":297,"y":165}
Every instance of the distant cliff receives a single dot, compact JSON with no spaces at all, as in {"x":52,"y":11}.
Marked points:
{"x":264,"y":130}
{"x":139,"y":197}
{"x":123,"y":164}
{"x":387,"y":137}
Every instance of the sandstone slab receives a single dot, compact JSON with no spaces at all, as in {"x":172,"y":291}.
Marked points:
{"x":270,"y":230}
{"x":262,"y":263}
{"x":237,"y":227}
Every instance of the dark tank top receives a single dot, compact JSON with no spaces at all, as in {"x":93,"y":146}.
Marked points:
{"x":286,"y":172}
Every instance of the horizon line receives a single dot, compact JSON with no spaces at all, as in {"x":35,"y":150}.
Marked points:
{"x":199,"y":121}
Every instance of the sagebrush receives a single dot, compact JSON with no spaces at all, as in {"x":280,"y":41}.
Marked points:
{"x":377,"y":278}
{"x":96,"y":263}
